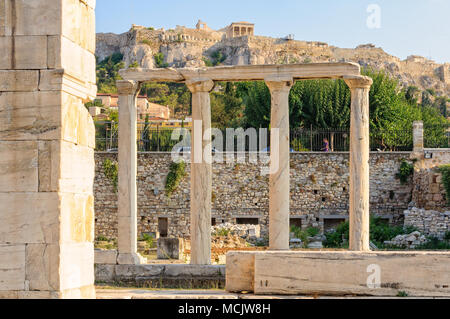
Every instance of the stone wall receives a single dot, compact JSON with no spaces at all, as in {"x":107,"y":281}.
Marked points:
{"x":319,"y":192}
{"x":428,"y":191}
{"x":429,"y":222}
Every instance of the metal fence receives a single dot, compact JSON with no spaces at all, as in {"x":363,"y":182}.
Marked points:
{"x":156,"y":138}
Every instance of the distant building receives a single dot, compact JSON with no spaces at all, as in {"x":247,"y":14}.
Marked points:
{"x":238,"y":29}
{"x":144,"y":107}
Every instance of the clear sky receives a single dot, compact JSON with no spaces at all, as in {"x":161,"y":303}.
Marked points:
{"x":406,"y":27}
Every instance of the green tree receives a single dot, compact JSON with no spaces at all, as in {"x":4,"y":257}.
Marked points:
{"x":108,"y":73}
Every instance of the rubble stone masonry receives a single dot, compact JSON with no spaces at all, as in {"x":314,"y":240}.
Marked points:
{"x":318,"y":183}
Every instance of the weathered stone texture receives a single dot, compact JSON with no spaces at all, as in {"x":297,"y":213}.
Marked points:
{"x":318,"y":183}
{"x":46,"y":149}
{"x":429,"y":222}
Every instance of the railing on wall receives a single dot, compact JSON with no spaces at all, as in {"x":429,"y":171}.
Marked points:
{"x":157,"y":138}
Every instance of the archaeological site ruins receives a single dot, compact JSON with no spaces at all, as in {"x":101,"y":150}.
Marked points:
{"x":47,"y":171}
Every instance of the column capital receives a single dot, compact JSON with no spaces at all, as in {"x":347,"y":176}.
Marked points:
{"x":277,"y":83}
{"x":361,"y":82}
{"x":127,"y":87}
{"x":200,"y":85}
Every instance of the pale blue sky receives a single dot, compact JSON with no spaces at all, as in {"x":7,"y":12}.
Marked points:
{"x":408,"y":27}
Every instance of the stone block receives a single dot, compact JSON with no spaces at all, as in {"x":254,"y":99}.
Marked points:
{"x":76,"y":265}
{"x":105,"y":272}
{"x":78,"y":126}
{"x":42,"y":266}
{"x":30,"y":115}
{"x":5,"y":50}
{"x":142,"y":271}
{"x":12,"y":267}
{"x":77,"y":168}
{"x":191,"y":271}
{"x":29,"y":218}
{"x":169,"y":248}
{"x":19,"y":80}
{"x":61,"y":80}
{"x":103,"y":256}
{"x":77,"y":218}
{"x":240,"y":270}
{"x":72,"y":25}
{"x":75,"y":60}
{"x":130,"y":259}
{"x":38,"y":17}
{"x":30,"y":52}
{"x":85,"y":292}
{"x":348,"y":272}
{"x":18,"y":166}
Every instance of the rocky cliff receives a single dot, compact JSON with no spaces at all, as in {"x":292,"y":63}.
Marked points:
{"x":184,"y":47}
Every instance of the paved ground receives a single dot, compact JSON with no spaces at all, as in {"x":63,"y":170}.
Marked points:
{"x":140,"y":293}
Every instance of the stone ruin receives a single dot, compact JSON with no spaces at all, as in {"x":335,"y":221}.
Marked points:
{"x":47,"y":72}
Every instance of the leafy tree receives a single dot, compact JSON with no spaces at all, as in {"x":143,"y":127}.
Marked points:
{"x":108,"y":73}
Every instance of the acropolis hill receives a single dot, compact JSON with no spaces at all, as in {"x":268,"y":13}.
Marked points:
{"x":236,"y":45}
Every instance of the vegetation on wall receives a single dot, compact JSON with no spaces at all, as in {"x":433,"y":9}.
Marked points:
{"x":111,"y":169}
{"x":176,"y":173}
{"x":445,"y":171}
{"x":405,"y":171}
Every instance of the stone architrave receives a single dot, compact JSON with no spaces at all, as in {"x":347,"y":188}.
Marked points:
{"x":359,"y":162}
{"x":279,"y":163}
{"x":201,"y":171}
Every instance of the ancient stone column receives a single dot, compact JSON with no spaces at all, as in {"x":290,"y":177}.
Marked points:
{"x":359,"y":162}
{"x":127,"y":197}
{"x":47,"y":141}
{"x":279,"y":164}
{"x":201,"y":171}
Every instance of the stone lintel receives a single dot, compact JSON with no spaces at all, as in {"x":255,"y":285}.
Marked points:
{"x":246,"y":72}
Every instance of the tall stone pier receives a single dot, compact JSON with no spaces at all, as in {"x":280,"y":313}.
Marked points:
{"x":47,"y":137}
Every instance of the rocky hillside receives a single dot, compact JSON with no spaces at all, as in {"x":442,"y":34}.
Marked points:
{"x":185,"y":47}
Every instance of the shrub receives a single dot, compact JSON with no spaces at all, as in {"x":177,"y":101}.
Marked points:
{"x":149,"y":239}
{"x":159,"y":60}
{"x":222,"y":232}
{"x":101,"y":238}
{"x":312,"y":231}
{"x":445,"y":171}
{"x":379,"y":233}
{"x":111,"y":171}
{"x":133,"y":65}
{"x":207,"y":61}
{"x":405,"y":171}
{"x":146,"y":41}
{"x":176,"y":174}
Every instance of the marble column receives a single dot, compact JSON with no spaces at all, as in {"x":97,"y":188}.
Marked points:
{"x":359,"y":162}
{"x":279,"y":163}
{"x":201,"y":171}
{"x":127,"y":197}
